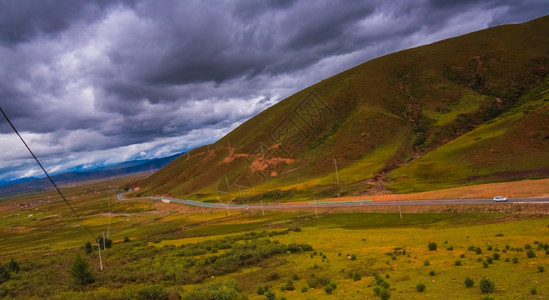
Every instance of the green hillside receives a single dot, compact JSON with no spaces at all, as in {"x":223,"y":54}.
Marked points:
{"x":466,"y":110}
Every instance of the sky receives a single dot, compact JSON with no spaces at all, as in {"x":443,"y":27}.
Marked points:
{"x":93,"y":83}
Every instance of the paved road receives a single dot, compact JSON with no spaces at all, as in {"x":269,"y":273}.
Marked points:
{"x":365,"y":202}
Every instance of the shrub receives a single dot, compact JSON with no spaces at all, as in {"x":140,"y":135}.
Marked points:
{"x":295,"y":277}
{"x":330,"y":288}
{"x":432,"y":273}
{"x":4,"y":274}
{"x":13,"y":266}
{"x":126,"y":239}
{"x":530,"y":253}
{"x":262,"y":289}
{"x":541,"y":269}
{"x":533,"y":291}
{"x":450,"y":248}
{"x":353,"y":257}
{"x":270,"y":295}
{"x":420,"y":287}
{"x":356,"y":277}
{"x":458,"y":262}
{"x":496,"y":256}
{"x":384,"y":294}
{"x":478,"y":250}
{"x":469,"y":282}
{"x":490,"y":260}
{"x":489,"y":248}
{"x":80,"y":272}
{"x":426,"y":263}
{"x":527,"y":246}
{"x":289,"y":285}
{"x":487,"y":286}
{"x":88,"y":247}
{"x":462,"y":256}
{"x":432,"y":246}
{"x":485,"y":264}
{"x":507,"y":259}
{"x":304,"y":289}
{"x":515,"y":260}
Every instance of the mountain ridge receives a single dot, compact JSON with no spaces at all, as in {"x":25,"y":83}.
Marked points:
{"x":410,"y":121}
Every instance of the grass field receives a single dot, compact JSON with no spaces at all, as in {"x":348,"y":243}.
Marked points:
{"x":179,"y":252}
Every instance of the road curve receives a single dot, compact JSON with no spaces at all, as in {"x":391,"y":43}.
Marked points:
{"x":342,"y":203}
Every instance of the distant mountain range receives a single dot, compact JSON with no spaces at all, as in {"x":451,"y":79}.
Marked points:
{"x":122,"y":169}
{"x":463,"y":111}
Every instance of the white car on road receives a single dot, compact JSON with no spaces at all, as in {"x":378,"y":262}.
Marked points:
{"x":500,"y":199}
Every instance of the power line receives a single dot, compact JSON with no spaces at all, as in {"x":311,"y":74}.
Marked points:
{"x":47,"y":175}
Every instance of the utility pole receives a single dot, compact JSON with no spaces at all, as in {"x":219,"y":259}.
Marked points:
{"x":188,"y":155}
{"x":337,"y":175}
{"x":109,"y":226}
{"x":262,"y":211}
{"x":104,"y":241}
{"x":100,"y":261}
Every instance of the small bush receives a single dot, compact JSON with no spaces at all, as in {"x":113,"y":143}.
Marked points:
{"x":489,"y":260}
{"x":353,"y":257}
{"x":527,"y":246}
{"x":489,"y":248}
{"x":420,"y":287}
{"x":450,"y":248}
{"x":458,"y":262}
{"x":487,"y":286}
{"x":80,"y":272}
{"x":496,"y":256}
{"x":432,"y":273}
{"x":533,"y":291}
{"x":541,"y":269}
{"x":469,"y":283}
{"x":270,"y":295}
{"x":330,"y":288}
{"x":478,"y":250}
{"x":261,"y":290}
{"x":426,"y":263}
{"x":357,"y":277}
{"x":507,"y":259}
{"x":88,"y":247}
{"x":462,"y":256}
{"x":304,"y":289}
{"x":432,"y":246}
{"x":126,"y":239}
{"x":273,"y":276}
{"x":295,"y":277}
{"x":13,"y":266}
{"x":289,"y":286}
{"x":485,"y":264}
{"x":530,"y":253}
{"x":5,"y":274}
{"x":515,"y":260}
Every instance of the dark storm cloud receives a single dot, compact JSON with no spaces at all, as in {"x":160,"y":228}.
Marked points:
{"x":99,"y":82}
{"x":22,"y":20}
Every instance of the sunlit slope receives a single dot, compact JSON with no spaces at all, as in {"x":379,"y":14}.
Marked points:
{"x":513,"y":146}
{"x":424,"y":118}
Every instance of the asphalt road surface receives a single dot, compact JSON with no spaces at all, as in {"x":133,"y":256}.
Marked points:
{"x":342,"y":203}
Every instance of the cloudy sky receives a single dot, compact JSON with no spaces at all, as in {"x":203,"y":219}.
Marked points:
{"x":90,"y":83}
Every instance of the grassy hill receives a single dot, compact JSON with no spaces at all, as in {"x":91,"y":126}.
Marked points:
{"x":467,"y":110}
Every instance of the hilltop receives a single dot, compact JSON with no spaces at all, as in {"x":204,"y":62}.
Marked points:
{"x":463,"y":111}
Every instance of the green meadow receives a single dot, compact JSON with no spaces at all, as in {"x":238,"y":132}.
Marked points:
{"x":170,"y":251}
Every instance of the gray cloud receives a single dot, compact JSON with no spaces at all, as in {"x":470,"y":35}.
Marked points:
{"x":95,"y":82}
